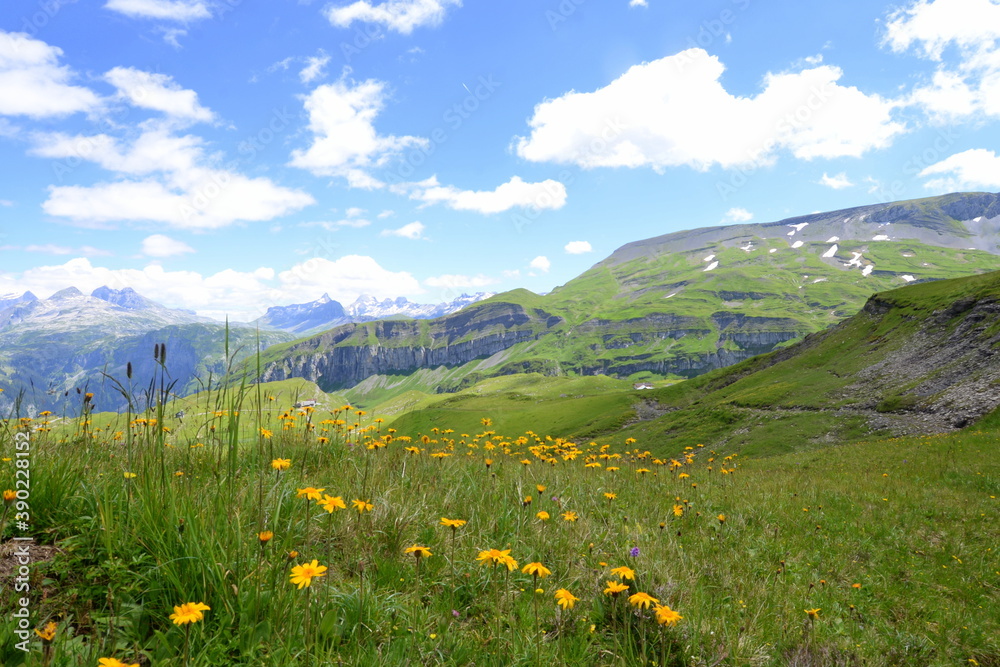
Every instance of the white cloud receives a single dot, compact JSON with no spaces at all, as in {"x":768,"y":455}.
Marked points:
{"x":33,"y":83}
{"x":965,"y":86}
{"x":167,"y":10}
{"x":541,"y":263}
{"x":154,"y":150}
{"x":181,"y":188}
{"x":933,"y":25}
{"x":674,"y":111}
{"x":413,"y":231}
{"x":354,"y":212}
{"x":53,"y":249}
{"x":6,"y":202}
{"x":386,"y":214}
{"x":738,"y":215}
{"x":315,"y":67}
{"x":159,"y":245}
{"x":968,"y":170}
{"x":158,"y":92}
{"x":638,"y":3}
{"x":243,"y":296}
{"x":837,"y":181}
{"x":458,"y":281}
{"x":345,"y":141}
{"x":578,"y":247}
{"x":548,"y":194}
{"x":403,"y":16}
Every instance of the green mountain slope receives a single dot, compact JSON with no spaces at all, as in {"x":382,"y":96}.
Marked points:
{"x":915,"y":360}
{"x":675,"y":306}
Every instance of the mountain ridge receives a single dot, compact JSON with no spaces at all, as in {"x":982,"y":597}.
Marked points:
{"x":678,"y":305}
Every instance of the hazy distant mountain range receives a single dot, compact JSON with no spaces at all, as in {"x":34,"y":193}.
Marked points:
{"x":325,"y":313}
{"x":48,"y":347}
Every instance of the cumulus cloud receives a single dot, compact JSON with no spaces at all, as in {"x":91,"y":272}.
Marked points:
{"x":675,"y":111}
{"x":541,"y":263}
{"x":738,"y":215}
{"x":578,"y":247}
{"x":638,"y":3}
{"x":968,"y":170}
{"x":169,"y":180}
{"x":158,"y":92}
{"x":933,"y":25}
{"x":402,"y":16}
{"x":345,"y":141}
{"x":967,"y":84}
{"x":34,"y":84}
{"x":159,"y":245}
{"x":515,"y":193}
{"x":181,"y":11}
{"x":242,"y":295}
{"x":837,"y":181}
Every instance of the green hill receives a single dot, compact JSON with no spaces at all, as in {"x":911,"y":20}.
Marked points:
{"x":672,"y":307}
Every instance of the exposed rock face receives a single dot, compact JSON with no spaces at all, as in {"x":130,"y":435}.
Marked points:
{"x":348,"y":354}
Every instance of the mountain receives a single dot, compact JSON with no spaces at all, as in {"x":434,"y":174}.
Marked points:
{"x":675,"y":306}
{"x":49,"y":347}
{"x":918,"y":360}
{"x":300,"y":318}
{"x":325,"y":313}
{"x":10,"y":300}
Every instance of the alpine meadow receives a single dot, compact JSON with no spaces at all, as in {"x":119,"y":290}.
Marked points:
{"x":381,"y":333}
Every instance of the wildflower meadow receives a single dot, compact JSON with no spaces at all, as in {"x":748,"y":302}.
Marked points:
{"x":247,"y":532}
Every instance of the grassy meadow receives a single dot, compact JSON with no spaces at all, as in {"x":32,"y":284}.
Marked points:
{"x":872,"y":553}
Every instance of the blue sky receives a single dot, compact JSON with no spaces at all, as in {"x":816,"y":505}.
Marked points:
{"x":230,"y":155}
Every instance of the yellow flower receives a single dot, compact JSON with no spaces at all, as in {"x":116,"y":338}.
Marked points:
{"x":610,"y":496}
{"x":642,"y":600}
{"x":543,"y":515}
{"x":565,"y":599}
{"x":570,"y":516}
{"x":129,"y":475}
{"x":721,"y":518}
{"x":540,"y":487}
{"x":678,"y":510}
{"x":332,"y":503}
{"x":281,"y":464}
{"x":362,"y":506}
{"x":536,"y":570}
{"x":855,"y":585}
{"x":114,"y":662}
{"x":497,"y":557}
{"x":624,"y":573}
{"x":453,"y":523}
{"x":667,"y":616}
{"x":189,"y":612}
{"x":614,"y":588}
{"x":309,"y":493}
{"x":526,"y":501}
{"x":265,"y":433}
{"x":812,"y":613}
{"x":304,"y":574}
{"x":418,"y":551}
{"x":9,"y":496}
{"x":48,"y":633}
{"x":265,"y":536}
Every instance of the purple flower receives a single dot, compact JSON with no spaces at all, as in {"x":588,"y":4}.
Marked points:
{"x":454,"y":612}
{"x":634,"y":552}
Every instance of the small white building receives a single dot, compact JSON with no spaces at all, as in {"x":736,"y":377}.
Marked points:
{"x":305,"y":404}
{"x":642,"y":385}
